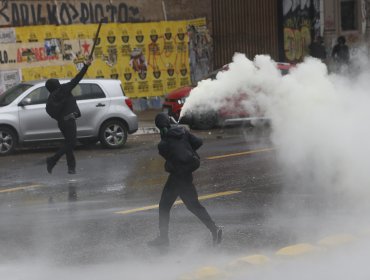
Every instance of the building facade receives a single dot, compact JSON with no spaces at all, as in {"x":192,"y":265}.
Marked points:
{"x":348,"y":18}
{"x":282,"y":29}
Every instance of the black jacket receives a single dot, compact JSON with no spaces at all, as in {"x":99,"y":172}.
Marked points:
{"x":340,"y":53}
{"x":178,"y":147}
{"x":63,"y":92}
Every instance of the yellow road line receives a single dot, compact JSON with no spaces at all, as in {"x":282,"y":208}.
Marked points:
{"x":155,"y":206}
{"x":241,"y":153}
{"x":21,"y":188}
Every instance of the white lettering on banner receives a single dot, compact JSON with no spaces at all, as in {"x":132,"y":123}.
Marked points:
{"x":7,"y":35}
{"x":8,"y":79}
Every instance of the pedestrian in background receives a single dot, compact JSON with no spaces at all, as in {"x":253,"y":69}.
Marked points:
{"x":178,"y":147}
{"x":66,"y":116}
{"x":317,"y":49}
{"x":340,"y":53}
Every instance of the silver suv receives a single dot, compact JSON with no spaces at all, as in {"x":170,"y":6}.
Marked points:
{"x":106,"y":114}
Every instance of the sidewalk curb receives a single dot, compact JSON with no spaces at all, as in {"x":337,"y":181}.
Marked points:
{"x":146,"y":130}
{"x":240,"y":266}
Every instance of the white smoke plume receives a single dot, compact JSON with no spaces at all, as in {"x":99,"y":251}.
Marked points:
{"x":320,"y":121}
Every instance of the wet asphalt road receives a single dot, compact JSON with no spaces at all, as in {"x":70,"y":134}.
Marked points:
{"x":73,"y":220}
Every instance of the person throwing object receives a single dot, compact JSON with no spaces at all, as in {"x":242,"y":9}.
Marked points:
{"x":178,"y":147}
{"x":62,"y":106}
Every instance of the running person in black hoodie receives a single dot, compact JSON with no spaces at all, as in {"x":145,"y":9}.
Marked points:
{"x":177,"y":147}
{"x":67,"y":119}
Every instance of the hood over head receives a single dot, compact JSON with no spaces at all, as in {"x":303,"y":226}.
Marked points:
{"x":162,"y":120}
{"x":341,"y":40}
{"x":52,"y":84}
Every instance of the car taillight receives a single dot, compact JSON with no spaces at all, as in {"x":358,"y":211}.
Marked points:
{"x":129,"y":103}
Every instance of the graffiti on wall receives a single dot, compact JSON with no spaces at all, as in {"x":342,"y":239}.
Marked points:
{"x":200,"y":51}
{"x":149,"y":58}
{"x":301,"y":21}
{"x":24,"y":13}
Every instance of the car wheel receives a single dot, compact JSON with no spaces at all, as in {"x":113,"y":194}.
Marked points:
{"x":113,"y":134}
{"x":205,"y":121}
{"x":8,"y":140}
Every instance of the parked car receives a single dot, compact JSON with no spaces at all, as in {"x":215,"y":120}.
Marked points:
{"x":106,"y":114}
{"x":175,"y":100}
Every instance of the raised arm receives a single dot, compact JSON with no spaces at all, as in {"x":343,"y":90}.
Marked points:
{"x":74,"y":82}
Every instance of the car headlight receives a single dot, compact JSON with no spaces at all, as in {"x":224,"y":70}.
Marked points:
{"x":181,"y":101}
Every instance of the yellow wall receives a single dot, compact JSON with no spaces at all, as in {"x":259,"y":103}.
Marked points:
{"x":164,"y":47}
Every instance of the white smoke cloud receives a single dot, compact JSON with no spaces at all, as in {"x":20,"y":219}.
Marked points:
{"x":321,"y":132}
{"x":320,"y":121}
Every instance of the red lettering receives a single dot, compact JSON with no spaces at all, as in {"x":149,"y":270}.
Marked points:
{"x":34,"y":55}
{"x":19,"y":55}
{"x":42,"y":54}
{"x":37,"y":54}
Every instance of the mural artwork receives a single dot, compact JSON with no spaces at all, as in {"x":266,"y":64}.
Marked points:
{"x":200,"y":50}
{"x":301,"y":21}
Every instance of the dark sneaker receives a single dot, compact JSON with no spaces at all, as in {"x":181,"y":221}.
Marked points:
{"x":49,"y":165}
{"x":217,"y":236}
{"x":71,"y":171}
{"x":159,"y":242}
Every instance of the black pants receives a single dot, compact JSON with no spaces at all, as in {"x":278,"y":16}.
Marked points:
{"x":181,"y":186}
{"x":68,"y":129}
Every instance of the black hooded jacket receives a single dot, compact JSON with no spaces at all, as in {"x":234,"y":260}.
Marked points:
{"x":63,"y":92}
{"x":178,"y":147}
{"x":340,"y":52}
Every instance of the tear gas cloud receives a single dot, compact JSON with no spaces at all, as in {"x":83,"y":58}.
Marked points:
{"x":319,"y":120}
{"x":320,"y":129}
{"x":321,"y":133}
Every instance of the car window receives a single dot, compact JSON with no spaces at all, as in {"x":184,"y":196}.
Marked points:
{"x":38,"y":96}
{"x":88,"y":91}
{"x":12,"y":93}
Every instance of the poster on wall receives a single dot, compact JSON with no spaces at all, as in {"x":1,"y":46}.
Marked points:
{"x":200,"y":49}
{"x":7,"y":35}
{"x":149,"y":58}
{"x":9,"y":78}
